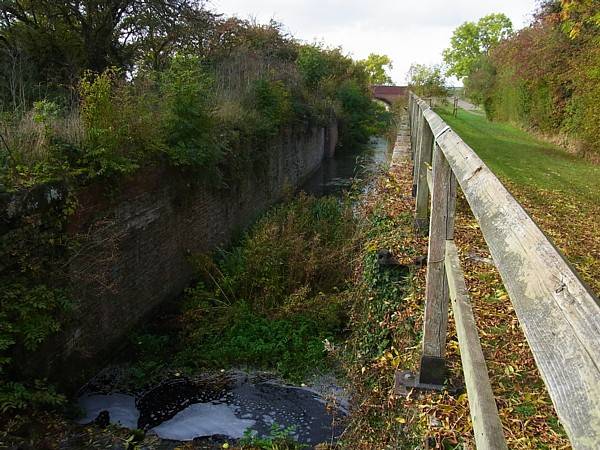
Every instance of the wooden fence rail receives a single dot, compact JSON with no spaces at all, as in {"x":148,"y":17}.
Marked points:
{"x":557,"y":312}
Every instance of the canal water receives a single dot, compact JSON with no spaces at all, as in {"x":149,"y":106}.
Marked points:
{"x":338,"y":173}
{"x":224,"y":407}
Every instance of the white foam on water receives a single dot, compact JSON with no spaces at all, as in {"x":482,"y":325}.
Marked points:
{"x":203,"y":419}
{"x":120,"y":407}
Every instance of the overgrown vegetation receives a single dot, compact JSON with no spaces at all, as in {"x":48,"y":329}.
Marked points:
{"x":275,"y":299}
{"x":376,"y":346}
{"x":197,"y":92}
{"x":91,"y":92}
{"x":34,"y":304}
{"x":543,"y":77}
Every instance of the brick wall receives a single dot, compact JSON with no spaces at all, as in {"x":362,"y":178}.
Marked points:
{"x":141,"y":235}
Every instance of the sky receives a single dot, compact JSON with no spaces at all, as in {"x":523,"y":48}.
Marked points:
{"x":407,"y":31}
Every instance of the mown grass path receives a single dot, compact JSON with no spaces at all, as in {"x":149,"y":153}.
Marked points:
{"x":559,"y":190}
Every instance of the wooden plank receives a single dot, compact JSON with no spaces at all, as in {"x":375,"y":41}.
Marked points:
{"x":436,"y":290}
{"x":559,"y":315}
{"x":487,"y":428}
{"x":452,"y":183}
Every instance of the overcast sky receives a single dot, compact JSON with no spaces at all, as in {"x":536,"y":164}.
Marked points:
{"x":407,"y":31}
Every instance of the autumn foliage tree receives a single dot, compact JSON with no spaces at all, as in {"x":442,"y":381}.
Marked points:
{"x":547,"y":75}
{"x":377,"y":67}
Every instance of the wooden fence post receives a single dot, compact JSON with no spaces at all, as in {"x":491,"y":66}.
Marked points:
{"x":409,"y":110}
{"x":415,"y":128}
{"x":419,"y":125}
{"x":441,"y":228}
{"x":422,"y":162}
{"x":413,"y":132}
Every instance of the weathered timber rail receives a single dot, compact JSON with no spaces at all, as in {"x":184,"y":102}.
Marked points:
{"x":558,"y":314}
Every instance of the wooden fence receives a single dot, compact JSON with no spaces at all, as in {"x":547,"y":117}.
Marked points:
{"x":557,"y":312}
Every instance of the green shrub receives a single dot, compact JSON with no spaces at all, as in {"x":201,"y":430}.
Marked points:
{"x":190,"y":128}
{"x":28,"y":315}
{"x":18,"y":396}
{"x":360,"y":117}
{"x":105,"y":151}
{"x":314,"y":65}
{"x":302,"y":243}
{"x":293,"y":346}
{"x":273,"y":103}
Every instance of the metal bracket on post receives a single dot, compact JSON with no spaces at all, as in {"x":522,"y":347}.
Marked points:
{"x":431,"y":376}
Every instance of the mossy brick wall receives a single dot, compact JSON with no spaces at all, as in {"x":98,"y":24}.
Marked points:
{"x":140,"y":234}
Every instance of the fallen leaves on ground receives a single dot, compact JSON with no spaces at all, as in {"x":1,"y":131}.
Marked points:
{"x":441,"y":420}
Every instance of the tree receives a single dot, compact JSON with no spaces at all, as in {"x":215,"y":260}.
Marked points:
{"x":481,"y":80}
{"x":69,"y":31}
{"x":64,"y":38}
{"x":376,"y":67}
{"x":427,"y":81}
{"x":579,"y":15}
{"x":471,"y":41}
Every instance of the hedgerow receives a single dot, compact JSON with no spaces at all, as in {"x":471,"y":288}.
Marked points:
{"x":546,"y":76}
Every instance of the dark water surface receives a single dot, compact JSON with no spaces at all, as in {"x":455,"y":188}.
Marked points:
{"x":338,"y":173}
{"x":222,"y":407}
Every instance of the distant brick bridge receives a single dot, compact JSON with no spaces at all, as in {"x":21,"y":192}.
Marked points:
{"x":389,"y":94}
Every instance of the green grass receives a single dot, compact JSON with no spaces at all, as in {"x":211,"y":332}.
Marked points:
{"x":520,"y":158}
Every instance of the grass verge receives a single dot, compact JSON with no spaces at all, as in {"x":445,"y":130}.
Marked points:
{"x":559,"y":190}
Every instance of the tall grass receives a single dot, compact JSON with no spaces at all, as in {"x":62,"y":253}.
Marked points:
{"x":28,"y":140}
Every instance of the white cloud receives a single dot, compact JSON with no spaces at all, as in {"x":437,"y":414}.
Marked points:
{"x":408,"y":32}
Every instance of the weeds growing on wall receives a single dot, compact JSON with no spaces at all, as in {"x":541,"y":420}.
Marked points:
{"x":208,"y":110}
{"x":34,"y":303}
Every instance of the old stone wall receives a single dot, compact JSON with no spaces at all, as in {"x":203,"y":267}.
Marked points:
{"x":139,"y":237}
